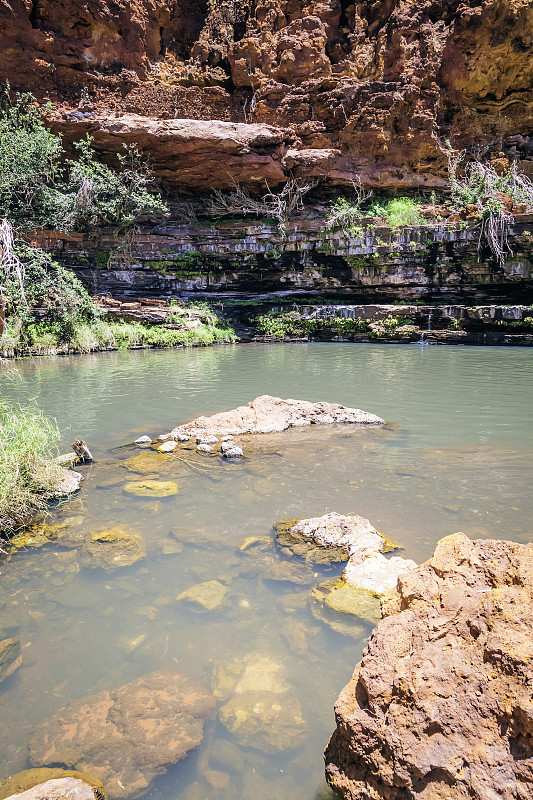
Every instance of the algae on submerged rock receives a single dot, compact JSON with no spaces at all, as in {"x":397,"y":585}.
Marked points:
{"x":113,"y":548}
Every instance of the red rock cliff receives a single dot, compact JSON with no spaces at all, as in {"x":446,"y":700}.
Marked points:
{"x":359,"y":89}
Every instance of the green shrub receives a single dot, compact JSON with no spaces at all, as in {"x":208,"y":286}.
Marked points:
{"x":398,"y":212}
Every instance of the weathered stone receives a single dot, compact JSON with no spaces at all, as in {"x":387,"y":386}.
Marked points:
{"x":440,"y":705}
{"x":204,"y":448}
{"x":268,"y":414}
{"x":145,"y":463}
{"x":289,"y":572}
{"x":113,"y":548}
{"x":21,"y":782}
{"x":10,"y":657}
{"x":58,"y":789}
{"x":206,"y":596}
{"x":344,"y":608}
{"x":149,"y":488}
{"x":330,"y":538}
{"x":233,"y":452}
{"x":206,"y":440}
{"x":68,"y":482}
{"x":143,"y":440}
{"x":167,"y":447}
{"x":374,"y":572}
{"x":129,"y":735}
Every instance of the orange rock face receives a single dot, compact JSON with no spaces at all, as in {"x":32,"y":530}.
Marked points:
{"x":439,"y":708}
{"x":364,"y":89}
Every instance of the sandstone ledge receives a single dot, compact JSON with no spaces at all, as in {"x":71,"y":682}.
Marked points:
{"x":267,"y":414}
{"x":439,"y":708}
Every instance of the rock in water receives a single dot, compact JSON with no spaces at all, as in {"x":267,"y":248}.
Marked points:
{"x":149,"y":488}
{"x":375,"y":573}
{"x":59,"y":789}
{"x":113,"y":548}
{"x":268,"y":414}
{"x":10,"y":658}
{"x":440,"y":705}
{"x":126,"y":736}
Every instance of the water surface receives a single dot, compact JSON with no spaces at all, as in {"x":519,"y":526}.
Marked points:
{"x":456,"y":455}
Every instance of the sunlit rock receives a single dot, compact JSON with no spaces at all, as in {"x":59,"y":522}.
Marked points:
{"x":268,"y":414}
{"x":329,"y":538}
{"x":129,"y":735}
{"x":343,"y":608}
{"x":376,"y":573}
{"x":68,"y":482}
{"x":113,"y":548}
{"x":150,"y":488}
{"x":440,"y":704}
{"x":59,"y":789}
{"x":143,"y":440}
{"x":41,"y":777}
{"x":167,"y":447}
{"x":205,"y":596}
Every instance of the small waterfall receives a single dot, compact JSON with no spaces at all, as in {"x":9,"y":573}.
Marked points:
{"x":423,"y":334}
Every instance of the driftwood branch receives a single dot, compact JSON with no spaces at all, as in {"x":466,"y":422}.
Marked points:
{"x":82,"y":451}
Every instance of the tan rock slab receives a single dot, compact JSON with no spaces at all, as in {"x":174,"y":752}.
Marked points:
{"x":113,"y":548}
{"x":151,"y":488}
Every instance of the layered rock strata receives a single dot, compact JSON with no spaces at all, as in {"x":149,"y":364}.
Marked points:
{"x":440,"y":704}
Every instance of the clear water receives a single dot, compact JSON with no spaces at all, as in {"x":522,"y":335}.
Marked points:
{"x":457,"y":455}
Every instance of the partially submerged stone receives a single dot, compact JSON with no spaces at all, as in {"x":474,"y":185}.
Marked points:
{"x":204,"y":448}
{"x":41,"y":779}
{"x":67,"y":483}
{"x":59,"y":789}
{"x":129,"y":735}
{"x":167,"y":447}
{"x":150,"y":488}
{"x":376,"y":573}
{"x":145,"y":463}
{"x":344,"y":608}
{"x":10,"y":657}
{"x":330,"y":538}
{"x":143,"y":440}
{"x":113,"y":548}
{"x":206,"y":596}
{"x":233,"y":452}
{"x":268,"y":414}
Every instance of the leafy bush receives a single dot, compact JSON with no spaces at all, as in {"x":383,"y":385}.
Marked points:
{"x":38,"y":187}
{"x":397,"y":212}
{"x":27,"y":440}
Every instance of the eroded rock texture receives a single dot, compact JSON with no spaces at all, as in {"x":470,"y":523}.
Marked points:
{"x":126,"y":736}
{"x":365,"y":88}
{"x":440,"y":707}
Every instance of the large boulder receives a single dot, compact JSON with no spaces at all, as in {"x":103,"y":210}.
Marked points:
{"x":126,"y":736}
{"x":268,"y":414}
{"x":440,"y":708}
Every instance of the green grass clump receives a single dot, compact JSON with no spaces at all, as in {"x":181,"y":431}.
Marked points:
{"x":27,"y":442}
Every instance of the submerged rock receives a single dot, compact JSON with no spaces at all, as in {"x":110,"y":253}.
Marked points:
{"x":440,"y":704}
{"x":268,"y":414}
{"x":113,"y":548}
{"x":260,"y":711}
{"x":330,"y":538}
{"x":149,"y":488}
{"x":344,"y":609}
{"x":145,"y":463}
{"x":207,"y":596}
{"x":129,"y":735}
{"x":376,"y":573}
{"x":10,"y":657}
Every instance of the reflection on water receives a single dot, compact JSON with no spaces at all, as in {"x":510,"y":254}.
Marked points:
{"x":456,"y":456}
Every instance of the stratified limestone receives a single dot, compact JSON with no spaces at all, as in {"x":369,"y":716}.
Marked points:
{"x":439,"y":708}
{"x":126,"y":736}
{"x":113,"y":548}
{"x":268,"y":414}
{"x":10,"y":658}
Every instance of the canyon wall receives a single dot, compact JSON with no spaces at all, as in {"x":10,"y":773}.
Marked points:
{"x":369,"y":89}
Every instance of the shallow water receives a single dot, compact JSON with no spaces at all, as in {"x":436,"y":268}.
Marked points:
{"x":457,"y":455}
